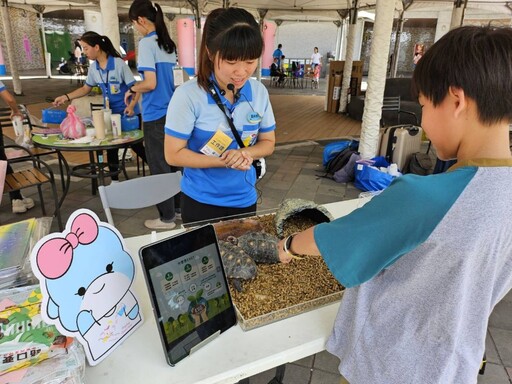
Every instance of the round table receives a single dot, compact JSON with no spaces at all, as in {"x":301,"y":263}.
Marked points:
{"x":96,"y":169}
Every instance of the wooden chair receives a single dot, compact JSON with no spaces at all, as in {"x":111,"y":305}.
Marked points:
{"x":5,"y":122}
{"x":274,"y":81}
{"x":139,"y":193}
{"x":140,"y":161}
{"x":34,"y":173}
{"x":392,"y":104}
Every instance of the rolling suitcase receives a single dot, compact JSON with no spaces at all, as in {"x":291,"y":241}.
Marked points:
{"x":399,"y":142}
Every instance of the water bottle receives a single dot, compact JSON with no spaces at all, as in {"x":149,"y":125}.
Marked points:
{"x":17,"y":123}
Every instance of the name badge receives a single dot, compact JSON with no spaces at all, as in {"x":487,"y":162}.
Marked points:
{"x":253,"y":117}
{"x":180,"y":76}
{"x":114,"y":89}
{"x":218,"y":143}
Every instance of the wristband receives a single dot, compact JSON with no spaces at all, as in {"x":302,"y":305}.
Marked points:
{"x":288,"y":245}
{"x":67,"y":96}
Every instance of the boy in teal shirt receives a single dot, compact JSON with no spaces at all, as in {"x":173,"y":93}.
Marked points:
{"x":426,"y":261}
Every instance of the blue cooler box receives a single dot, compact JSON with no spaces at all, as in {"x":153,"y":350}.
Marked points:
{"x":129,"y":123}
{"x":53,"y":116}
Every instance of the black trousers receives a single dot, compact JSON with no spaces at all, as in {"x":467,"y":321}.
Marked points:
{"x":154,"y":145}
{"x":193,"y":211}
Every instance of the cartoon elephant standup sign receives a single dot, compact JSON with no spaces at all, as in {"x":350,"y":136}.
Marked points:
{"x":85,"y":275}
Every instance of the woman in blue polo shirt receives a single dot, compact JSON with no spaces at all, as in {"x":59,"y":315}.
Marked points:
{"x":112,"y":75}
{"x":219,"y":179}
{"x":156,"y":60}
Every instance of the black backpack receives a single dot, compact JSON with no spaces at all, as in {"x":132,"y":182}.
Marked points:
{"x":418,"y":164}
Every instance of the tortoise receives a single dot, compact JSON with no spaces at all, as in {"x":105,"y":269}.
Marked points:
{"x":238,"y":265}
{"x":261,"y":246}
{"x":299,"y":207}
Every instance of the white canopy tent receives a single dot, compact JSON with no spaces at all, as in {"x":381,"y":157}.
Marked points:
{"x":337,"y":11}
{"x":286,"y":10}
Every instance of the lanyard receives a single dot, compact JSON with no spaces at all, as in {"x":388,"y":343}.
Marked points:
{"x":105,"y":82}
{"x":229,"y":118}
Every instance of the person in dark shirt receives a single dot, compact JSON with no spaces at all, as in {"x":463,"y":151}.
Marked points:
{"x":276,"y":71}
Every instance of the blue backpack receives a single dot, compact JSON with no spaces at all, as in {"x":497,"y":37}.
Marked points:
{"x":333,"y":149}
{"x":336,"y":156}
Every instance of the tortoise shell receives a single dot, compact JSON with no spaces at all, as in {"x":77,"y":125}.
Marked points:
{"x":261,"y":246}
{"x":237,"y":263}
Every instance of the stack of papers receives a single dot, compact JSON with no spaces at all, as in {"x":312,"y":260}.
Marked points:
{"x":46,"y":131}
{"x":15,"y":247}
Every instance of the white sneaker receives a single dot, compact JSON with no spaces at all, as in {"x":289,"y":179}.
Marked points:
{"x":159,"y":224}
{"x":21,"y":206}
{"x":128,"y":157}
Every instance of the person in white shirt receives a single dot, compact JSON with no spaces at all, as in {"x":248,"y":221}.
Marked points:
{"x":316,"y":58}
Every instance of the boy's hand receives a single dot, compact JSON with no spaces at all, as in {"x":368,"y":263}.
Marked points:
{"x":284,"y":257}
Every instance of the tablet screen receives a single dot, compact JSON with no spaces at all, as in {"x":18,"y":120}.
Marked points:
{"x":188,"y":290}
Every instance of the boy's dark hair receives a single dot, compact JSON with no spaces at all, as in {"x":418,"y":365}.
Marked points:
{"x":279,"y":46}
{"x":145,"y":8}
{"x":92,"y":38}
{"x":234,"y":34}
{"x":475,"y":59}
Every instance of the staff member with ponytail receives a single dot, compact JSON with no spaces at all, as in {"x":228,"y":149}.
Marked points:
{"x":155,"y":62}
{"x":219,"y":179}
{"x":113,"y":76}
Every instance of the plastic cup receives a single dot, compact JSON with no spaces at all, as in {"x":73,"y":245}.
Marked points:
{"x":17,"y":123}
{"x":107,"y":113}
{"x":99,"y":124}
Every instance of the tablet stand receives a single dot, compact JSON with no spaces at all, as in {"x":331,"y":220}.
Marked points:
{"x":204,"y":342}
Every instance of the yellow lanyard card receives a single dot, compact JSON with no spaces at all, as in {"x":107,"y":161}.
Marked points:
{"x":218,"y":143}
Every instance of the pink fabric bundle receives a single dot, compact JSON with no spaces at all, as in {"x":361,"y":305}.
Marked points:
{"x":72,"y":127}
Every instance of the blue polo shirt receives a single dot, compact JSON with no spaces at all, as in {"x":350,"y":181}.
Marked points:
{"x":114,"y":81}
{"x":152,"y":58}
{"x":194,"y":116}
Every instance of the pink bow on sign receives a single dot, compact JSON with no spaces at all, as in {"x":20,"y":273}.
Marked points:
{"x":55,"y":256}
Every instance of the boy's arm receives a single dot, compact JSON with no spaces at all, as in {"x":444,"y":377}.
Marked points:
{"x":303,"y":241}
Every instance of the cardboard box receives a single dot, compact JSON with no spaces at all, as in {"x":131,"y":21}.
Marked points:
{"x":335,"y":79}
{"x":335,"y":68}
{"x":336,"y":92}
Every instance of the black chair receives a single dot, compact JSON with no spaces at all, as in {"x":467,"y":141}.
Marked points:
{"x":33,"y":173}
{"x":393,"y":104}
{"x":140,"y":159}
{"x":5,"y":122}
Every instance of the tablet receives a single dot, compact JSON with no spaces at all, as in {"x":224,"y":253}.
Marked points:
{"x":188,"y":290}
